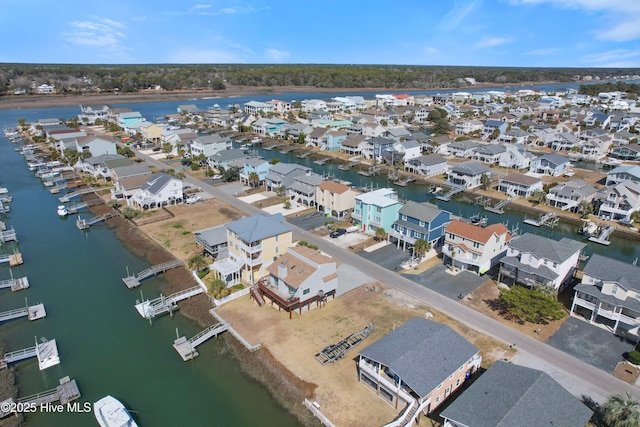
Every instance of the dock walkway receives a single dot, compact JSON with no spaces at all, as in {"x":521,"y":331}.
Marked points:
{"x":603,"y":237}
{"x":66,"y":392}
{"x":67,"y":197}
{"x":452,"y":192}
{"x":46,"y":352}
{"x":8,"y":236}
{"x":549,"y":219}
{"x":134,"y":281}
{"x":15,"y":284}
{"x":151,"y":308}
{"x":12,"y":259}
{"x":84,"y":224}
{"x":186,"y":348}
{"x":33,"y":312}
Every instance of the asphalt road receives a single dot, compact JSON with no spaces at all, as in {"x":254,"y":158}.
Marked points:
{"x":580,"y":378}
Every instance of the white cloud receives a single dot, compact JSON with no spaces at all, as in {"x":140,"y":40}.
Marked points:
{"x":622,"y":58}
{"x":99,"y":33}
{"x":620,"y":22}
{"x":276,"y":55}
{"x":491,"y":42}
{"x":431,"y":50}
{"x":543,"y":51}
{"x":206,"y":56}
{"x":460,"y":11}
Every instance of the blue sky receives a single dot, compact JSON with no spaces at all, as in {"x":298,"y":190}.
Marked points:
{"x":527,"y":33}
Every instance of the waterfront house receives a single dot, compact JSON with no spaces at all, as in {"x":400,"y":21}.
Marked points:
{"x":334,"y":140}
{"x":376,"y":209}
{"x":519,"y":185}
{"x":189,"y":110}
{"x":419,"y":221}
{"x":565,"y":142}
{"x":374,"y":147}
{"x":213,"y":241}
{"x":462,"y":149}
{"x":550,"y":164}
{"x":97,"y":166}
{"x":626,"y":152}
{"x":303,"y":190}
{"x":474,"y":248}
{"x":623,"y":173}
{"x":490,"y":154}
{"x":334,"y":199}
{"x":401,"y":152}
{"x":609,"y":295}
{"x":269,"y":126}
{"x":253,"y":243}
{"x":353,"y":144}
{"x":467,"y":175}
{"x":90,"y":113}
{"x":95,"y":145}
{"x":232,"y":158}
{"x":533,"y":260}
{"x":510,"y":395}
{"x":128,"y":118}
{"x":568,"y":195}
{"x":283,"y":174}
{"x":428,"y":166}
{"x":418,"y":366}
{"x":318,"y":136}
{"x":516,"y":156}
{"x":280,"y":106}
{"x":493,"y":128}
{"x":298,"y":278}
{"x":159,"y":190}
{"x":254,"y":164}
{"x":256,"y":107}
{"x":127,"y":178}
{"x":208,"y":145}
{"x":619,"y":201}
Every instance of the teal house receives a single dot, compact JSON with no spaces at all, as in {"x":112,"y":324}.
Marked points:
{"x":376,"y":209}
{"x":334,"y":139}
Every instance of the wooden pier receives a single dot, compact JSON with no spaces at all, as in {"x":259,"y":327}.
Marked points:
{"x":82,"y":205}
{"x":66,"y":198}
{"x":186,"y":348}
{"x":347,"y":166}
{"x":498,"y":208}
{"x":304,"y":155}
{"x":374,"y":170}
{"x":84,"y":224}
{"x":405,"y":181}
{"x":150,"y":309}
{"x":603,"y":237}
{"x":452,"y":192}
{"x":134,"y":281}
{"x":46,"y":351}
{"x":322,"y":160}
{"x":12,"y":259}
{"x":337,"y":351}
{"x":4,"y":208}
{"x":549,"y":219}
{"x":33,"y":312}
{"x":66,"y":392}
{"x":8,"y":236}
{"x":15,"y":284}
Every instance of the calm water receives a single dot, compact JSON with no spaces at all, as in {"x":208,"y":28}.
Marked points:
{"x":103,"y":343}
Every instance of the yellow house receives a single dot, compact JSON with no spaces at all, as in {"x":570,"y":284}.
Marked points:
{"x":253,"y":244}
{"x":335,"y":199}
{"x":151,"y":132}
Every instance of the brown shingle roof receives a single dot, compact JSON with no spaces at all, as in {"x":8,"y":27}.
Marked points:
{"x":476,"y":233}
{"x":333,"y":187}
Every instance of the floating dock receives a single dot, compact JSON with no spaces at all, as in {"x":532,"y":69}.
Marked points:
{"x":66,"y":392}
{"x":46,"y":351}
{"x":337,"y":351}
{"x":549,"y":219}
{"x":134,"y":281}
{"x":452,"y":192}
{"x":8,"y":236}
{"x":15,"y":284}
{"x":374,"y":170}
{"x":150,"y":309}
{"x":12,"y":259}
{"x":186,"y":348}
{"x":68,"y":197}
{"x":84,"y":224}
{"x":603,"y":237}
{"x":33,"y":312}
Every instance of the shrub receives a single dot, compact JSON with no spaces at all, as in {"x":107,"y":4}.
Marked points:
{"x":634,"y":357}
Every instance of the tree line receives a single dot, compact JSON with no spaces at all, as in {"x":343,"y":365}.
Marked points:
{"x":132,"y":78}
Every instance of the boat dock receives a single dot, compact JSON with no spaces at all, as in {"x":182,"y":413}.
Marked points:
{"x":322,"y":160}
{"x":452,"y":192}
{"x":273,"y":147}
{"x":66,"y":392}
{"x":84,"y":224}
{"x":288,"y":149}
{"x":46,"y":351}
{"x":66,"y":198}
{"x":373,"y":170}
{"x":498,"y":208}
{"x":33,"y":312}
{"x":15,"y":284}
{"x":12,"y":259}
{"x":150,"y":309}
{"x":8,"y":236}
{"x":82,"y":205}
{"x":337,"y":351}
{"x":404,"y":182}
{"x":4,"y":209}
{"x":186,"y":348}
{"x":603,"y":237}
{"x":134,"y":281}
{"x":347,"y":166}
{"x":549,"y":219}
{"x":304,"y":155}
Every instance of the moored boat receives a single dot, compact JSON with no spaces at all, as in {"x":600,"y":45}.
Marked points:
{"x":110,"y":412}
{"x":62,"y":210}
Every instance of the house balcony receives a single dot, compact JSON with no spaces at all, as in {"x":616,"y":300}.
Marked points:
{"x":271,"y":291}
{"x":385,"y":380}
{"x":250,"y":249}
{"x":584,"y":303}
{"x":401,"y":236}
{"x":356,"y":215}
{"x":253,"y":261}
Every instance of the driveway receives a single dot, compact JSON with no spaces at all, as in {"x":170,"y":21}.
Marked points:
{"x":591,"y":344}
{"x":440,"y":279}
{"x":387,"y":256}
{"x":310,"y":221}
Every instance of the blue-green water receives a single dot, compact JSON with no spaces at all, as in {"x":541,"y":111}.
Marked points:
{"x":103,"y":343}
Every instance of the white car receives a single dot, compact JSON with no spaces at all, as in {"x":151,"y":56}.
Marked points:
{"x":194,"y":198}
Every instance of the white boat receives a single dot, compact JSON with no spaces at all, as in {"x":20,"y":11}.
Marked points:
{"x":62,"y":210}
{"x":110,"y":412}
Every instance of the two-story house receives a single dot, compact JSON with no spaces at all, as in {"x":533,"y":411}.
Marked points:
{"x":334,"y":199}
{"x":467,"y":175}
{"x":428,"y":166}
{"x":376,"y":209}
{"x":303,"y":190}
{"x":550,"y":164}
{"x":490,"y":154}
{"x":208,"y":145}
{"x":418,"y":366}
{"x":95,"y":145}
{"x":462,"y":149}
{"x":419,"y":221}
{"x":255,"y":165}
{"x":609,"y":294}
{"x":568,"y":195}
{"x":534,"y":260}
{"x":283,"y":174}
{"x":626,"y":152}
{"x":159,"y":190}
{"x":474,"y":248}
{"x":519,"y":185}
{"x":253,"y":243}
{"x":623,"y":173}
{"x":297,"y":279}
{"x":619,"y":201}
{"x":374,"y":147}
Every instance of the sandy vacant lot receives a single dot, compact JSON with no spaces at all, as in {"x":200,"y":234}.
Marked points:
{"x":295,"y":342}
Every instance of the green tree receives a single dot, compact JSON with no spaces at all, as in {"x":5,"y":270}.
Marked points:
{"x":125,"y":151}
{"x":485,"y":181}
{"x":231,"y":174}
{"x":585,"y":208}
{"x":421,"y":247}
{"x":302,"y":138}
{"x":217,"y":288}
{"x":531,"y":305}
{"x":197,"y":262}
{"x":254,"y":179}
{"x":538,"y":197}
{"x":280,"y":190}
{"x":441,"y":127}
{"x":130,"y":213}
{"x":380,"y":234}
{"x":621,"y":411}
{"x":167,"y":148}
{"x":287,"y":204}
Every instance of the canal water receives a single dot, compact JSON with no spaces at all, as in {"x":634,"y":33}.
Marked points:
{"x":103,"y":342}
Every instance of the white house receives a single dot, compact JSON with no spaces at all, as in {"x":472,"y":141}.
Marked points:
{"x":568,"y":195}
{"x":467,"y":175}
{"x":208,"y":145}
{"x":428,"y":166}
{"x":519,"y":185}
{"x":550,"y":164}
{"x":471,"y":247}
{"x":95,"y":145}
{"x":160,"y":190}
{"x":619,"y":201}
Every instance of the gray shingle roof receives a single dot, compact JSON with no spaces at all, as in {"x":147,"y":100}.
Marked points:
{"x":421,"y":211}
{"x":471,"y":168}
{"x":258,"y":227}
{"x":422,"y":353}
{"x":613,"y":270}
{"x":508,"y":395}
{"x":156,"y":182}
{"x":544,"y":247}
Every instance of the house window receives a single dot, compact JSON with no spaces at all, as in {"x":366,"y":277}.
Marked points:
{"x":378,"y":209}
{"x":306,"y":291}
{"x":615,"y":289}
{"x":404,"y":217}
{"x":458,"y":382}
{"x":476,"y":245}
{"x":277,"y":249}
{"x":475,"y":256}
{"x":421,"y":223}
{"x":440,"y":386}
{"x":555,"y":265}
{"x":276,"y":237}
{"x":437,"y":399}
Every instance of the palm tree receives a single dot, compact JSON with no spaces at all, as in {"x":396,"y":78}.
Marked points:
{"x":254,"y":179}
{"x":621,"y":411}
{"x":585,"y":208}
{"x":421,"y":247}
{"x":380,"y":234}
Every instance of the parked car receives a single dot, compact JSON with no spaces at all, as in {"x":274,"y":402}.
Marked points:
{"x":338,"y":232}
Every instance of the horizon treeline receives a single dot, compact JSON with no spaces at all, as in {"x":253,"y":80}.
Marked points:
{"x":71,"y":78}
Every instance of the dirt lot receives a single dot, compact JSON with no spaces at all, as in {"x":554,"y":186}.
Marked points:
{"x":295,"y":342}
